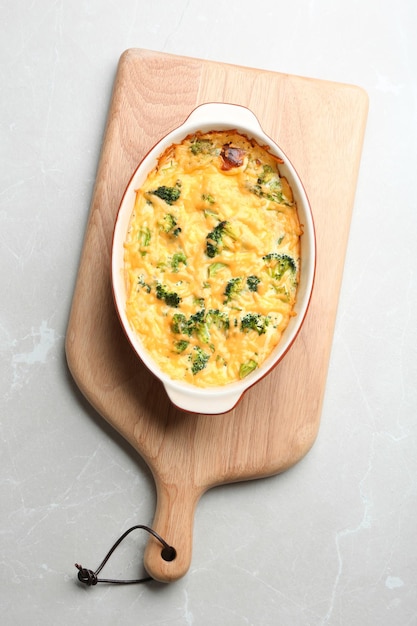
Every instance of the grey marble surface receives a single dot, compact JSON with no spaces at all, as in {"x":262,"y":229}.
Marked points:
{"x":331,"y":542}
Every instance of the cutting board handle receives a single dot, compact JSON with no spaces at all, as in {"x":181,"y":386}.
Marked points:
{"x":174,"y":521}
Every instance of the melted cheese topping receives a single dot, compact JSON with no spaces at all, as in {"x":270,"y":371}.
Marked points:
{"x":212,"y":258}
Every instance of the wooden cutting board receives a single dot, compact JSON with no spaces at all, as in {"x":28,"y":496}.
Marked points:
{"x":320,"y":125}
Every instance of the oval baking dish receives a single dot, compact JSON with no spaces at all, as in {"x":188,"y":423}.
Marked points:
{"x":204,"y":119}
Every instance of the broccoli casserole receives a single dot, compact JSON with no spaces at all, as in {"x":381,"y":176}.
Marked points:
{"x":212,"y":258}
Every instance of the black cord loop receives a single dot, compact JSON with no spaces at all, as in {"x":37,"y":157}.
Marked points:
{"x":89,"y":578}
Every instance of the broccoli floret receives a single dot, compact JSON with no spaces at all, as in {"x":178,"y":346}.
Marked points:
{"x":252,"y":283}
{"x":214,"y":268}
{"x":142,"y":285}
{"x":169,"y":225}
{"x":268,"y":185}
{"x":211,"y":249}
{"x":267,"y":174}
{"x":169,"y":297}
{"x":254,"y":321}
{"x":247,"y":368}
{"x":218,"y":318}
{"x":179,"y":324}
{"x":181,"y":345}
{"x":179,"y":257}
{"x":207,"y":197}
{"x":276,"y":194}
{"x":199,"y":360}
{"x":279,"y":264}
{"x":197,"y":324}
{"x":233,"y":287}
{"x":221,"y":360}
{"x":197,"y":318}
{"x":168,"y":194}
{"x":198,"y":301}
{"x":169,"y":222}
{"x":263,"y":179}
{"x":201,"y":146}
{"x":208,"y":204}
{"x":272,"y":192}
{"x":144,"y":238}
{"x":215,"y":237}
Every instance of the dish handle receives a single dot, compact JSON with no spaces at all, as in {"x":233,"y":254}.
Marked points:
{"x":231,"y":116}
{"x":212,"y":404}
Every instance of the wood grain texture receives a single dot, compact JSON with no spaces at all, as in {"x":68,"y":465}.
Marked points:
{"x":320,"y":125}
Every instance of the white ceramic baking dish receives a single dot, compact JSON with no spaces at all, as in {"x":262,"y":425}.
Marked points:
{"x":207,"y":117}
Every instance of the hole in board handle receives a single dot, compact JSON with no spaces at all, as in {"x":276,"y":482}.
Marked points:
{"x":168,"y":553}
